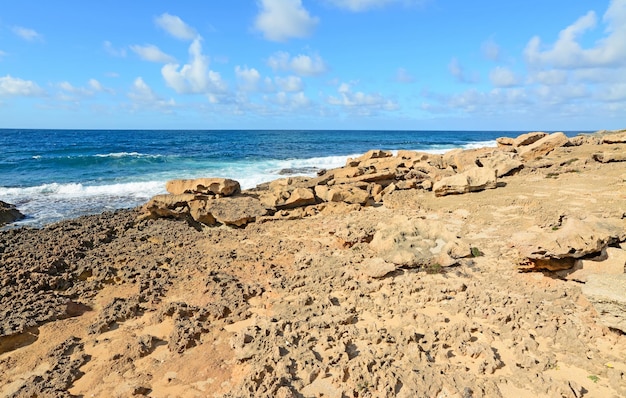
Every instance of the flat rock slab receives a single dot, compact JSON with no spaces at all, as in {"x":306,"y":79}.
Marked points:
{"x":607,"y":293}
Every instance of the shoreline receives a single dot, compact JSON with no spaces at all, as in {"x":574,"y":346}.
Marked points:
{"x":486,"y":284}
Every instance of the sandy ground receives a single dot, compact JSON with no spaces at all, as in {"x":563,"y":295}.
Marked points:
{"x":108,"y":306}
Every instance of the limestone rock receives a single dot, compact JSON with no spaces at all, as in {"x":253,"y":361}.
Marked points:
{"x":619,"y":138}
{"x":9,"y":214}
{"x":236,"y":211}
{"x":300,"y":197}
{"x":504,"y":163}
{"x":611,"y":262}
{"x":576,"y":238}
{"x":472,"y":180}
{"x":543,"y":146}
{"x":169,"y":206}
{"x":373,"y":154}
{"x":377,"y":267}
{"x":505,"y":141}
{"x":608,"y":157}
{"x":418,"y":243}
{"x":607,"y":293}
{"x":207,"y":186}
{"x":528,"y":138}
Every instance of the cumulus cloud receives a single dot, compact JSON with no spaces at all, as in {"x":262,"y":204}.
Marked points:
{"x":70,"y":92}
{"x":359,"y":102}
{"x":194,"y":77}
{"x":280,"y":20}
{"x":503,"y":77}
{"x":112,"y":50}
{"x":16,"y":87}
{"x":26,"y":33}
{"x":568,"y":52}
{"x":290,"y":101}
{"x":152,"y":53}
{"x":459,"y":73}
{"x":363,"y":5}
{"x":289,"y":83}
{"x":175,"y":27}
{"x":303,"y":65}
{"x":143,"y":96}
{"x":247,"y":78}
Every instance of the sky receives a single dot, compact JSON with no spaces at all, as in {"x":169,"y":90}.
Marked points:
{"x":314,"y":64}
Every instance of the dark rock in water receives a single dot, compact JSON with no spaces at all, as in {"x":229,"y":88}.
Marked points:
{"x":298,"y":170}
{"x":9,"y":214}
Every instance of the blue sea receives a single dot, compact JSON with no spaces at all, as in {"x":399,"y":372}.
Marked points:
{"x":51,"y":175}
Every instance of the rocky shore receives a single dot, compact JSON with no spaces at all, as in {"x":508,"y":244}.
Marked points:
{"x":492,"y":272}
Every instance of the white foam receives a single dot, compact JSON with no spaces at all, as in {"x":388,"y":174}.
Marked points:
{"x":126,"y":154}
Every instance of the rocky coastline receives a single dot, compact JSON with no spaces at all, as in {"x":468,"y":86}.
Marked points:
{"x":490,"y":272}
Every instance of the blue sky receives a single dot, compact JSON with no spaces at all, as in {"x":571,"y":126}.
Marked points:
{"x":314,"y":64}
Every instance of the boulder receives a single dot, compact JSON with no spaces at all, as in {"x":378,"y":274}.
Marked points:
{"x":170,"y":206}
{"x":504,"y":163}
{"x":299,"y":197}
{"x":612,"y":261}
{"x":608,"y":157}
{"x":619,"y":138}
{"x":607,"y":293}
{"x":206,"y":186}
{"x":543,"y":146}
{"x":528,"y":138}
{"x":505,"y":141}
{"x":236,"y":211}
{"x":418,"y":243}
{"x":465,"y":159}
{"x":377,"y":267}
{"x":559,"y":248}
{"x":472,"y":180}
{"x":372,"y":154}
{"x":9,"y":213}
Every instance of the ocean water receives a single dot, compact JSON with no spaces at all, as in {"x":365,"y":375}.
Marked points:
{"x":51,"y":175}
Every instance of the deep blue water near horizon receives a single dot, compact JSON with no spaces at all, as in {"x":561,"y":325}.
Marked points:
{"x":52,"y":175}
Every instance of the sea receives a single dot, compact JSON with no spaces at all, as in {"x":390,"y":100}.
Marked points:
{"x":52,"y":175}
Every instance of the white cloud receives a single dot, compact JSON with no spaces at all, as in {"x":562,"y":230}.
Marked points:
{"x":143,"y":96}
{"x":491,"y":50}
{"x":248,"y":78}
{"x":280,"y":20}
{"x":111,"y":50}
{"x":176,"y":27}
{"x":568,"y":53}
{"x":70,"y":92}
{"x":290,"y":101}
{"x":359,"y":102}
{"x":194,"y":77}
{"x":16,"y":87}
{"x":503,"y":77}
{"x":363,"y":5}
{"x":403,"y":76}
{"x":303,"y":65}
{"x":152,"y":53}
{"x":289,"y":83}
{"x":3,"y":54}
{"x":549,"y":77}
{"x":459,"y":73}
{"x":26,"y":33}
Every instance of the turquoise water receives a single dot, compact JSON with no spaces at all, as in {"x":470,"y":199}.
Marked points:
{"x":56,"y":174}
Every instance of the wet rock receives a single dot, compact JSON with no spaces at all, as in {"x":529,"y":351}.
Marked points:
{"x":9,"y":213}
